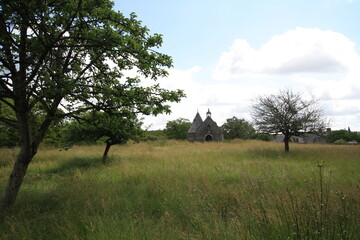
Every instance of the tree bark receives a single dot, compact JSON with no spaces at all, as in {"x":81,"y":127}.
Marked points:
{"x":107,"y":148}
{"x":15,"y":180}
{"x":286,"y":142}
{"x":26,"y":153}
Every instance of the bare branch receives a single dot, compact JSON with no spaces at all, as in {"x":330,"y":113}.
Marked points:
{"x":287,"y":113}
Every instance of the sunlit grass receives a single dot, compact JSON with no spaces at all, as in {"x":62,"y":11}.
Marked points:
{"x":182,"y":190}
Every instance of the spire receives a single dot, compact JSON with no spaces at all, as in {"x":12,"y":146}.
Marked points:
{"x":208,"y":114}
{"x":196,"y":123}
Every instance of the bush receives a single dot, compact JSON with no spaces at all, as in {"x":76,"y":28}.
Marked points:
{"x":263,"y":137}
{"x":340,"y":141}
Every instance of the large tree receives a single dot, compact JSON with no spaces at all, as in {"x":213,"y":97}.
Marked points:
{"x":69,"y":55}
{"x":287,"y":112}
{"x":237,"y":128}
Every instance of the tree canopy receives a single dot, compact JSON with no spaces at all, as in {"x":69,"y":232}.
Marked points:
{"x":288,"y":113}
{"x":237,"y":128}
{"x":177,"y":129}
{"x":68,"y":57}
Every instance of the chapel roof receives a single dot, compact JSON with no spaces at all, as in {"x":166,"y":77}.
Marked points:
{"x":196,"y":123}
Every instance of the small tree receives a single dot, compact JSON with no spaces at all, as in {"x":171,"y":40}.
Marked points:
{"x":287,"y":113}
{"x":237,"y":128}
{"x":177,"y":129}
{"x":111,"y":127}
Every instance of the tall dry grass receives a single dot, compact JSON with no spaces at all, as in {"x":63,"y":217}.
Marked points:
{"x":181,"y":190}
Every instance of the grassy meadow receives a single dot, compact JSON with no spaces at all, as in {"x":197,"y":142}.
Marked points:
{"x":182,"y":190}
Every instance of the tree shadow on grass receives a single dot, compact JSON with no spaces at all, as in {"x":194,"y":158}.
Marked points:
{"x":69,"y":167}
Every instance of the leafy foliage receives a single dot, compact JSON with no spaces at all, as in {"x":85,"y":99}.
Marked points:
{"x":263,"y":137}
{"x":237,"y":128}
{"x":112,"y":128}
{"x":8,"y":135}
{"x":177,"y":129}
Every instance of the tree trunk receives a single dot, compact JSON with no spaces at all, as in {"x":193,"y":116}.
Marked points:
{"x":15,"y":180}
{"x":286,"y":142}
{"x":107,"y":148}
{"x":23,"y":159}
{"x":27,"y":151}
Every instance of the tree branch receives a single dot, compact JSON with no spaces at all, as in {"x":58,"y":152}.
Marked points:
{"x":9,"y":122}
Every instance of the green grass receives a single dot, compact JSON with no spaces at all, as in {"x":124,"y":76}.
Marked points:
{"x":181,"y":190}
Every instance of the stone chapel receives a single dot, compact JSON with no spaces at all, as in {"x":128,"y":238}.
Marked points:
{"x":206,"y":130}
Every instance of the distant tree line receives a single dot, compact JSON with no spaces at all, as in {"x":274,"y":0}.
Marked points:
{"x":342,"y":136}
{"x":99,"y":128}
{"x":233,"y":128}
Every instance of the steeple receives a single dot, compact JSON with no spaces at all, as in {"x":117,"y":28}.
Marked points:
{"x":208,"y":114}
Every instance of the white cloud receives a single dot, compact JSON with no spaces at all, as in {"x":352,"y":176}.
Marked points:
{"x":296,"y":51}
{"x":319,"y":63}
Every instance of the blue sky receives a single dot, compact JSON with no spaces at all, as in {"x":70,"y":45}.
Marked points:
{"x":228,"y":52}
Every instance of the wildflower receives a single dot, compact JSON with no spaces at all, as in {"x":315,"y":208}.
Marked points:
{"x":320,"y":164}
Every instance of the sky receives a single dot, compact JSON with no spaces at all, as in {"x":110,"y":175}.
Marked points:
{"x":228,"y":53}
